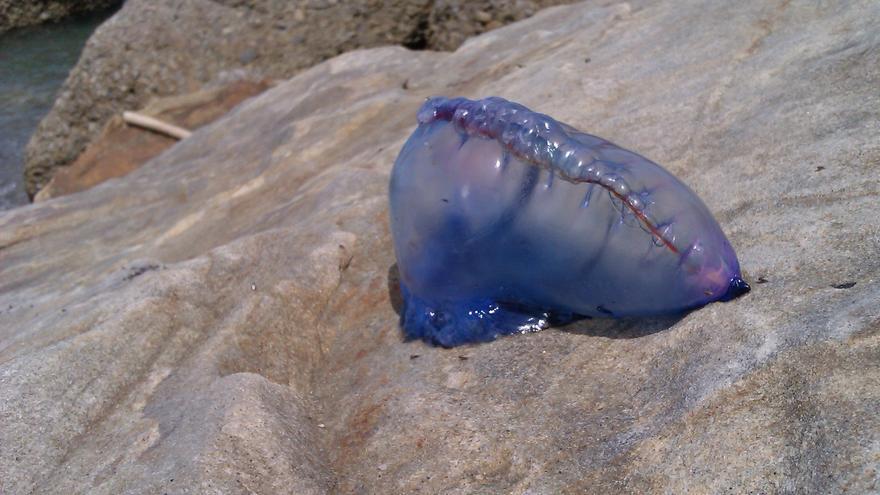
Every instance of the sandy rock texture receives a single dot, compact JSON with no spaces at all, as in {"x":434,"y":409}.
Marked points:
{"x":20,"y":13}
{"x":224,"y":318}
{"x":170,"y":47}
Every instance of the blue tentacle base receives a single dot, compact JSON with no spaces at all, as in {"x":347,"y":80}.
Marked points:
{"x":450,"y":323}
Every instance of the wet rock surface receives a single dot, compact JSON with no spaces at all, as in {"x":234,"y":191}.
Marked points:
{"x":224,"y":318}
{"x":171,"y":47}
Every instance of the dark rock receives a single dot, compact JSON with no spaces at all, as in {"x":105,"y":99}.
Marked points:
{"x":21,"y":13}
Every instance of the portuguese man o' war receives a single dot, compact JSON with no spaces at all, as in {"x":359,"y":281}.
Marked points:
{"x":505,"y":221}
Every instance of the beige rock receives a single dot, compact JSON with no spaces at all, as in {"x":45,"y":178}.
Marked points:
{"x":190,"y":327}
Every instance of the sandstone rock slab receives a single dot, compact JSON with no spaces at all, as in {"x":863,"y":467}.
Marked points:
{"x":224,"y":318}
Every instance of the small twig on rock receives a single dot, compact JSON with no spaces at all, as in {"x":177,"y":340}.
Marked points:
{"x":155,"y":125}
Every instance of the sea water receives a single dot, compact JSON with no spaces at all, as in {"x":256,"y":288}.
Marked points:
{"x":34,"y":62}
